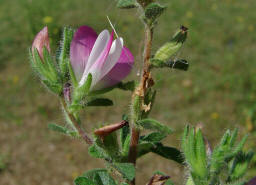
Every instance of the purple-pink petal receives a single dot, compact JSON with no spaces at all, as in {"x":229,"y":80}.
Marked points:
{"x":80,"y":49}
{"x":96,"y":68}
{"x":41,"y":40}
{"x":122,"y":69}
{"x":252,"y":181}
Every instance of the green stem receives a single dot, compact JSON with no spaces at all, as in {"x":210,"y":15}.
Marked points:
{"x":77,"y":125}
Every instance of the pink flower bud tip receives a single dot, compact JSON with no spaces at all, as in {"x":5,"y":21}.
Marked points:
{"x":41,"y":40}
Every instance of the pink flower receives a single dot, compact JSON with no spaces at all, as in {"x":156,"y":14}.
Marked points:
{"x":41,"y":40}
{"x":108,"y":61}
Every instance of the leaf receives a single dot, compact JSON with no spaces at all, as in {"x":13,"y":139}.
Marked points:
{"x":57,"y":128}
{"x":126,"y":4}
{"x":62,"y":130}
{"x":144,"y":148}
{"x":126,"y":146}
{"x":153,"y":137}
{"x":167,"y":152}
{"x":83,"y":181}
{"x":97,"y":152}
{"x":154,"y":10}
{"x":100,"y":177}
{"x":126,"y":169}
{"x":152,"y":124}
{"x":110,"y":144}
{"x":125,"y":131}
{"x":128,"y":86}
{"x":107,"y":149}
{"x":100,"y":102}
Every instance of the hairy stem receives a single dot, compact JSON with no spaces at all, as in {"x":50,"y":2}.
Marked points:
{"x":77,"y":125}
{"x":145,"y":83}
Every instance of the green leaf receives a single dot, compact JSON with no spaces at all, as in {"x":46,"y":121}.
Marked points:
{"x":154,"y":10}
{"x":97,"y":152}
{"x":126,"y":169}
{"x":100,"y":102}
{"x":144,"y":148}
{"x":126,"y":145}
{"x":167,"y":152}
{"x":125,"y":131}
{"x":100,"y":177}
{"x":126,"y":4}
{"x":57,"y":128}
{"x":63,"y":130}
{"x":153,"y":137}
{"x":152,"y":124}
{"x":83,"y":181}
{"x":110,"y":144}
{"x":128,"y":86}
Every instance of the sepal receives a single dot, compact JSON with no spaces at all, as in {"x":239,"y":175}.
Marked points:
{"x":180,"y":64}
{"x":63,"y":53}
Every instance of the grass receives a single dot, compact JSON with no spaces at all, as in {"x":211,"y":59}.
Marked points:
{"x":218,"y":91}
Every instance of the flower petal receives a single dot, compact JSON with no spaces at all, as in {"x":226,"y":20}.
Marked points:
{"x":97,"y":57}
{"x":114,"y":55}
{"x":80,"y":49}
{"x":41,"y":40}
{"x":119,"y":71}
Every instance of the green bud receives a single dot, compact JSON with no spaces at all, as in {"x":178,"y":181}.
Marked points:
{"x":240,"y":165}
{"x":45,"y":68}
{"x":165,"y":52}
{"x":126,"y":4}
{"x":195,"y":153}
{"x":153,"y":11}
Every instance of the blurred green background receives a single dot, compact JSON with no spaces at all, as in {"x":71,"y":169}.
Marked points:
{"x":218,"y":91}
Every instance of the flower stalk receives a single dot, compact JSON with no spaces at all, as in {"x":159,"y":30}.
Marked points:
{"x":76,"y":124}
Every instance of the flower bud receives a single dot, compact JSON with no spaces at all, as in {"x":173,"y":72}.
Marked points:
{"x":41,"y":40}
{"x":170,"y":48}
{"x":67,"y":92}
{"x":106,"y":130}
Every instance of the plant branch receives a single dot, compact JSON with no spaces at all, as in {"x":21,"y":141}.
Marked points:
{"x":77,"y":125}
{"x":145,"y":83}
